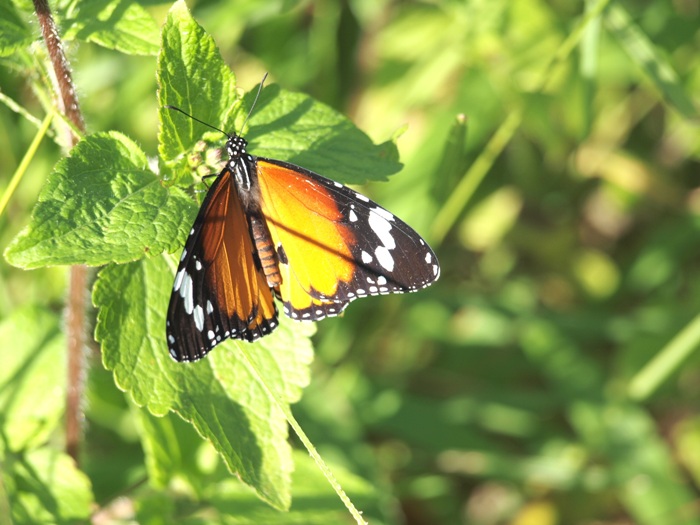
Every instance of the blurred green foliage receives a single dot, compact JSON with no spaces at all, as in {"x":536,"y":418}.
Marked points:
{"x":550,"y":376}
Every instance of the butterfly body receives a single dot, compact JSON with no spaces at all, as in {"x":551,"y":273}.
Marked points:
{"x":268,"y":228}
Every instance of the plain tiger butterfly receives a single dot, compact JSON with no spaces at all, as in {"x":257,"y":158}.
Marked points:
{"x":268,"y":228}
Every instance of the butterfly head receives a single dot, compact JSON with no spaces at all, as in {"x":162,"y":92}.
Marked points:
{"x":236,"y":147}
{"x":240,"y":162}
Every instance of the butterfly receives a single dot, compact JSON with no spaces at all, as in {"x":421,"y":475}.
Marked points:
{"x":267,"y":229}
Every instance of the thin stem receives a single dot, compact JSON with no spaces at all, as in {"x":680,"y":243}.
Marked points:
{"x":76,"y":307}
{"x":325,"y":469}
{"x":667,"y":362}
{"x":22,"y":168}
{"x":75,"y":321}
{"x":19,"y":109}
{"x":59,"y":61}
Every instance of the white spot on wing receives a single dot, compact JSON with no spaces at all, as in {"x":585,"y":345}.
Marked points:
{"x":384,"y":257}
{"x":386,"y":214}
{"x":186,"y":293}
{"x":361,"y":197}
{"x":198,"y":315}
{"x":210,"y":307}
{"x":382,"y":228}
{"x":352,"y":216}
{"x":366,"y":257}
{"x":178,"y":280}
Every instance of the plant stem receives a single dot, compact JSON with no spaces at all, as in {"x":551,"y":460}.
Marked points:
{"x":666,"y":362}
{"x":287,"y":411}
{"x":75,"y":309}
{"x":24,"y":164}
{"x":66,"y":91}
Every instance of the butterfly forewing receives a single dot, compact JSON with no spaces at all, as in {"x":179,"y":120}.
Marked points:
{"x":334,"y":244}
{"x":219,"y":290}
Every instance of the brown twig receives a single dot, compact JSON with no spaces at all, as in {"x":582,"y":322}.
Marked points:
{"x":75,"y":316}
{"x":68,"y":99}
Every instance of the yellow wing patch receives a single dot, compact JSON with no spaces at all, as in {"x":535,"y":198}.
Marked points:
{"x":317,"y":247}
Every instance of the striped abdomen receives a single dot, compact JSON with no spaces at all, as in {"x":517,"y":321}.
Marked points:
{"x":265,"y":250}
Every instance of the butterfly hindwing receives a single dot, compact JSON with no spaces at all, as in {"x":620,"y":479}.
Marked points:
{"x":334,"y":244}
{"x":219,"y":289}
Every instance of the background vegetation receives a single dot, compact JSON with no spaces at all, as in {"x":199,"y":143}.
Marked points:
{"x":551,"y":157}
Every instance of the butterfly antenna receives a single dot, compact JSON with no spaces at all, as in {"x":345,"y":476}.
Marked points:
{"x":255,"y":101}
{"x":168,"y":106}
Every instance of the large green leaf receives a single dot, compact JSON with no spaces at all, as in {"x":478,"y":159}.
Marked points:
{"x":296,"y":128}
{"x":224,"y":396}
{"x":192,"y":76}
{"x":102,"y":204}
{"x":115,"y":24}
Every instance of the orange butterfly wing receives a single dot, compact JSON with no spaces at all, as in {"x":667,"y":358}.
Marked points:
{"x":219,"y":289}
{"x":335,"y":245}
{"x":321,"y":244}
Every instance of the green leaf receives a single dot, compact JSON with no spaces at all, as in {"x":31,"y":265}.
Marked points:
{"x":102,"y":204}
{"x":14,"y":34}
{"x":283,"y":125}
{"x":222,"y":395}
{"x":296,"y":128}
{"x":192,"y":76}
{"x":32,"y":377}
{"x":453,"y":160}
{"x":315,"y":502}
{"x":44,"y":486}
{"x":115,"y":24}
{"x":644,"y":53}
